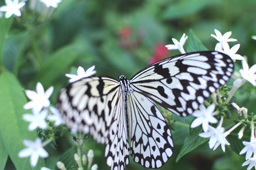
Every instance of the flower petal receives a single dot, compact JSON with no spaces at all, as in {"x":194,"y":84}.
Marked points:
{"x":34,"y":159}
{"x":39,"y":89}
{"x":25,"y":152}
{"x":48,"y":92}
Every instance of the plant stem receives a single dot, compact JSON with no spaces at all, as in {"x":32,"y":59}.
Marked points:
{"x":47,"y":142}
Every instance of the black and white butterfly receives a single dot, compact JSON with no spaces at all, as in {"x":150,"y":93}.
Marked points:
{"x":123,"y":115}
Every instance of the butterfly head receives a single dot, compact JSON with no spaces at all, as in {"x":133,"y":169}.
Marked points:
{"x":122,"y":77}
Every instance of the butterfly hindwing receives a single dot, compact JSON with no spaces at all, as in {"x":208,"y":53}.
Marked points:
{"x":150,"y":138}
{"x":88,"y":105}
{"x":181,"y":83}
{"x":117,"y":149}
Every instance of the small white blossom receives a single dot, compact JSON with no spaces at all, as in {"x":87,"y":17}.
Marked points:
{"x":55,"y":117}
{"x":215,"y":135}
{"x":52,"y":3}
{"x":223,"y":39}
{"x":36,"y":120}
{"x":39,"y":99}
{"x":251,"y":162}
{"x":204,"y":117}
{"x":12,"y":7}
{"x":81,"y":74}
{"x":254,"y":37}
{"x":178,"y":45}
{"x":249,"y":149}
{"x":222,"y":144}
{"x":249,"y":74}
{"x":34,"y":150}
{"x":229,"y":51}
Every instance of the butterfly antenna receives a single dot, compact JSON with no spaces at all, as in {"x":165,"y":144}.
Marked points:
{"x":109,"y":69}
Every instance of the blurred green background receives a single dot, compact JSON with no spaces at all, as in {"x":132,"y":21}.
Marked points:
{"x":122,"y":35}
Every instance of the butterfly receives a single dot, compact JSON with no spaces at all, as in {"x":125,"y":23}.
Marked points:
{"x":123,"y":114}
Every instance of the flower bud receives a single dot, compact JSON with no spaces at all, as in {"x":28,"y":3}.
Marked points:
{"x":61,"y":165}
{"x":90,"y":156}
{"x":84,"y":160}
{"x":77,"y":159}
{"x":94,"y":167}
{"x":241,"y":133}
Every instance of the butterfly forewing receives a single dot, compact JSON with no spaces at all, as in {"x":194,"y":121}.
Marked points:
{"x":88,"y":105}
{"x":181,"y":83}
{"x":151,"y":140}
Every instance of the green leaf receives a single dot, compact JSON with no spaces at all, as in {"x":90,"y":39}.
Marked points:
{"x":68,"y":157}
{"x":3,"y":153}
{"x":119,"y":58}
{"x":191,"y":142}
{"x":56,"y":64}
{"x":5,"y":25}
{"x":185,"y":8}
{"x":13,"y":128}
{"x":194,"y":44}
{"x":235,"y":143}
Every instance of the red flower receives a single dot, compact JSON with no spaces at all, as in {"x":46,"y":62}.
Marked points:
{"x":160,"y":53}
{"x":125,"y":32}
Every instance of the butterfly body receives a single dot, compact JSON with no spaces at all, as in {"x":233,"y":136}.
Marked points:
{"x":123,"y":115}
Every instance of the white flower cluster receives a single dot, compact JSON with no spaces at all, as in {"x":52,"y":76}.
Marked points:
{"x":41,"y":110}
{"x":39,"y":105}
{"x":205,"y":116}
{"x":13,"y":7}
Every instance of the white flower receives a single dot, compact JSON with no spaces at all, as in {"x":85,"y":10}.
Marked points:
{"x":44,"y":168}
{"x":39,"y":99}
{"x":178,"y":45}
{"x":249,"y":149}
{"x":254,"y":37}
{"x":229,"y":51}
{"x":34,"y":150}
{"x":251,"y":162}
{"x":52,"y":3}
{"x":215,"y":135}
{"x":249,"y":74}
{"x":81,"y":74}
{"x":204,"y":117}
{"x":37,"y":119}
{"x":12,"y":7}
{"x":223,"y":39}
{"x":55,"y":117}
{"x":222,"y":144}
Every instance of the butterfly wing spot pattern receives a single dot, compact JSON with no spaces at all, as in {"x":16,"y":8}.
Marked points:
{"x":122,"y":114}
